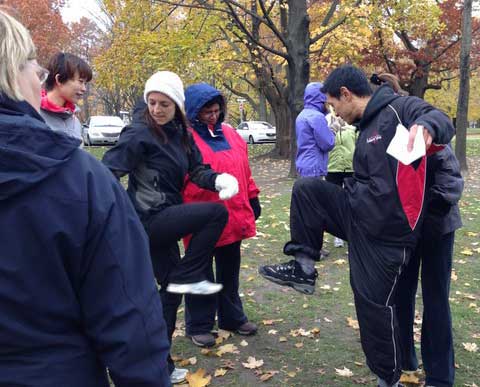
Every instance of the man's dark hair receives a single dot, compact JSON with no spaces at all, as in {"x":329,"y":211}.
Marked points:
{"x":350,"y":77}
{"x":66,"y":65}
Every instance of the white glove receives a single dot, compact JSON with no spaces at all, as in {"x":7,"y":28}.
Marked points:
{"x":226,"y":185}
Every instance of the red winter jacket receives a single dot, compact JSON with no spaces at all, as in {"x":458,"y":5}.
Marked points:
{"x":241,"y":221}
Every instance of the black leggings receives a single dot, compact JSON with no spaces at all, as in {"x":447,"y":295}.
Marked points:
{"x":205,"y":221}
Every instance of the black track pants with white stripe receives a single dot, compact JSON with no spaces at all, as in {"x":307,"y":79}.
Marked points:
{"x":319,"y":206}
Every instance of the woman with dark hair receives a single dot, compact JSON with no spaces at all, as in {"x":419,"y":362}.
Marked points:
{"x":64,"y":87}
{"x":157,"y":152}
{"x":225,"y":151}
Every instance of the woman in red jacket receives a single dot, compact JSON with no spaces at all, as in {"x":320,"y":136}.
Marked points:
{"x":225,"y":151}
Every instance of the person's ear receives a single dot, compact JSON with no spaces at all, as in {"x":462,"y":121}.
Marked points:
{"x":57,"y":80}
{"x":345,"y":93}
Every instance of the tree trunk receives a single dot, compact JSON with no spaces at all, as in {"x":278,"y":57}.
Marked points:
{"x":298,"y":47}
{"x":464,"y":91}
{"x":262,"y":107}
{"x":419,"y":83}
{"x":281,"y":111}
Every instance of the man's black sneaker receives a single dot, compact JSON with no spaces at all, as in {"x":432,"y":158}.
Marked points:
{"x":290,"y":274}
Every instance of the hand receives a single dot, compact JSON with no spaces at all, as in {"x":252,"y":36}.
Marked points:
{"x":226,"y":185}
{"x":413,"y":132}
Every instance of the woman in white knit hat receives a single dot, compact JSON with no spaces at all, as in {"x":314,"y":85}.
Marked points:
{"x":157,"y":152}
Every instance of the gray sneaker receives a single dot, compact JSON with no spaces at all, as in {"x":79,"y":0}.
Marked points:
{"x":178,"y":375}
{"x":205,"y":340}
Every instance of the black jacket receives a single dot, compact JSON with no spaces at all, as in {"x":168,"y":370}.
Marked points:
{"x":386,"y":196}
{"x":156,"y":170}
{"x":444,"y":190}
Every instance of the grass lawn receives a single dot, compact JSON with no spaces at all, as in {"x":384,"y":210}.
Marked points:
{"x":310,"y":340}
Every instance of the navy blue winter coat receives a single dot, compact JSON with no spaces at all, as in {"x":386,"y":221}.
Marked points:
{"x":77,"y":292}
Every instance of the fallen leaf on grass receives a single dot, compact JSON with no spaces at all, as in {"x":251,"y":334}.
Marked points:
{"x":250,"y":279}
{"x":220,"y":372}
{"x":267,"y":375}
{"x":359,"y":364}
{"x":189,"y":361}
{"x":228,"y":364}
{"x":344,"y":372}
{"x":325,"y":287}
{"x":470,"y":347}
{"x":410,"y":378}
{"x":327,"y":320}
{"x":271,"y":322}
{"x":454,"y":276}
{"x":340,"y":262}
{"x":227,"y":348}
{"x":292,"y":374}
{"x":472,"y":234}
{"x":299,"y":345}
{"x":208,"y":352}
{"x":282,"y":339}
{"x":352,"y":323}
{"x":243,"y":343}
{"x":253,"y":363}
{"x":199,"y":378}
{"x":466,"y":252}
{"x":272,"y":332}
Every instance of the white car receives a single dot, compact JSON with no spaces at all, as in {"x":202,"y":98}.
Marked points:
{"x":102,"y":130}
{"x":257,"y":131}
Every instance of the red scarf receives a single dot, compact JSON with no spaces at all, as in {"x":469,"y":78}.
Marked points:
{"x":48,"y":105}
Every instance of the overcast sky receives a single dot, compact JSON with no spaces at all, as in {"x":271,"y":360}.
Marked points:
{"x":75,"y":9}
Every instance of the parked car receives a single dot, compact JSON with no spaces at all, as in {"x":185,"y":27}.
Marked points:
{"x":102,"y":130}
{"x":257,"y":131}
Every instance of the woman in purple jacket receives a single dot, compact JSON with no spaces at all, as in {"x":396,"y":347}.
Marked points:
{"x":314,"y":138}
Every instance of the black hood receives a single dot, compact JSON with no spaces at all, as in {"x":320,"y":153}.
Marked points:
{"x":30,"y":151}
{"x":383,"y":96}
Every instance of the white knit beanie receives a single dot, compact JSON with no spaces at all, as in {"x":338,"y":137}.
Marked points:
{"x":167,"y":83}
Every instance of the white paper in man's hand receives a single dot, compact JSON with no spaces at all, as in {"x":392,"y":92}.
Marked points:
{"x":398,"y":146}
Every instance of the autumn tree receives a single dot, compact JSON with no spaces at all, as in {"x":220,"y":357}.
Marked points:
{"x":423,"y":54}
{"x":43,"y":20}
{"x":87,"y":41}
{"x":278,"y":38}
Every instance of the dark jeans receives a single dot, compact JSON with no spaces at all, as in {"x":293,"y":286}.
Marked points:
{"x":205,"y":221}
{"x":435,"y":256}
{"x":200,"y":310}
{"x":337,"y":177}
{"x":318,"y":206}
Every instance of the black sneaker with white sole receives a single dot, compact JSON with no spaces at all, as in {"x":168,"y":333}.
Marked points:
{"x":290,"y":274}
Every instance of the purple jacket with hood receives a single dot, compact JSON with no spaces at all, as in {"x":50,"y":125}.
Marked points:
{"x":314,"y":137}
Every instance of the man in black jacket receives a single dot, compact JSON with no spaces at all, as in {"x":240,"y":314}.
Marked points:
{"x":378,"y":212}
